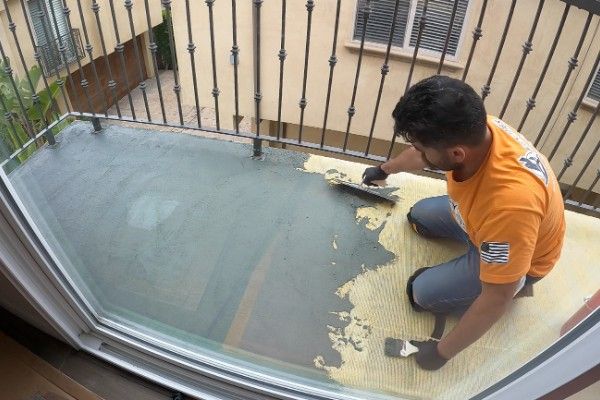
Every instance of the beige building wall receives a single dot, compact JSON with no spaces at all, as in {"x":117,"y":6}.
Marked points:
{"x":320,"y":50}
{"x":122,"y":21}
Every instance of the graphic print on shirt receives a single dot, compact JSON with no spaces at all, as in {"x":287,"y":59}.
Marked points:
{"x":456,"y":212}
{"x":532,"y":162}
{"x":494,"y":252}
{"x":532,"y":159}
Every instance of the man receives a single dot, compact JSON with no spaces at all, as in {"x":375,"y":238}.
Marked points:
{"x":503,"y":200}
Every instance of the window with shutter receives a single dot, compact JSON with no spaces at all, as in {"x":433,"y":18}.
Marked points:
{"x":380,"y":22}
{"x":45,"y":27}
{"x":594,"y":92}
{"x":439,"y":13}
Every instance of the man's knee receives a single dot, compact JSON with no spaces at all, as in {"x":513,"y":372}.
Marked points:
{"x":418,"y":216}
{"x":422,"y":295}
{"x":410,"y":290}
{"x":426,"y":295}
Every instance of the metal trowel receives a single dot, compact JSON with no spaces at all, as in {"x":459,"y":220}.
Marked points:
{"x":375,"y":193}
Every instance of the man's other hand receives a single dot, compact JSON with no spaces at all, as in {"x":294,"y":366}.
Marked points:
{"x":428,"y":356}
{"x":373,"y":174}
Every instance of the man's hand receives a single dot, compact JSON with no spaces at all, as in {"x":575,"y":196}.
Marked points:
{"x":373,"y":174}
{"x":428,"y":356}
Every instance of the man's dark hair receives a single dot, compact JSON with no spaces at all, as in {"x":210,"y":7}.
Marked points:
{"x":440,"y":112}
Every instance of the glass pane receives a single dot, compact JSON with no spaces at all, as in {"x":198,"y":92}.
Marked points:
{"x":192,"y":241}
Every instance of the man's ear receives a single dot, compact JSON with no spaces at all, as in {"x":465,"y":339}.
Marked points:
{"x":457,"y":154}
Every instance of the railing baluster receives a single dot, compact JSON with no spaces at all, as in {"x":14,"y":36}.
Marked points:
{"x":83,"y":81}
{"x":448,"y":34}
{"x":215,"y":90}
{"x":191,"y":48}
{"x":572,"y":116}
{"x":569,"y":160}
{"x":310,"y":5}
{"x":120,"y":49}
{"x":352,"y":110}
{"x":112,"y":84}
{"x":90,"y":50}
{"x":583,"y":170}
{"x":571,"y":66}
{"x":527,"y":47}
{"x":176,"y":85}
{"x":422,"y":25}
{"x":61,"y":48}
{"x":384,"y":71}
{"x":142,"y":85}
{"x":485,"y":90}
{"x":153,"y":47}
{"x":332,"y":63}
{"x":282,"y":55}
{"x":38,"y":57}
{"x":257,"y":55}
{"x":477,"y":34}
{"x":49,"y":34}
{"x":589,"y":190}
{"x":235,"y":51}
{"x":530,"y":104}
{"x":34,"y":97}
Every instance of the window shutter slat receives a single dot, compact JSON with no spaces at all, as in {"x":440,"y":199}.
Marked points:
{"x":60,"y":17}
{"x":380,"y":21}
{"x":34,"y":11}
{"x":594,"y":92}
{"x":439,"y":13}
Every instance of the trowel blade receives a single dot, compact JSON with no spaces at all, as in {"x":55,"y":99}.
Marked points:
{"x":367,"y":190}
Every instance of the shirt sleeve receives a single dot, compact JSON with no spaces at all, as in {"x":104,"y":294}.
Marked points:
{"x":506,"y":241}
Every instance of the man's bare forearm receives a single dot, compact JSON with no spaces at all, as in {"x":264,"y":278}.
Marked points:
{"x":487,"y":309}
{"x":409,"y":160}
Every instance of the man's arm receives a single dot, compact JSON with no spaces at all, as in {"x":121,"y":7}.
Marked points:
{"x":410,"y":159}
{"x":491,"y":304}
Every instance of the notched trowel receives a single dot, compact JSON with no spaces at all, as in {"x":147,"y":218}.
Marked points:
{"x":399,"y":348}
{"x":374,"y":193}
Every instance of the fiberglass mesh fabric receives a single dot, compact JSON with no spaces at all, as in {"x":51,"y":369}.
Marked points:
{"x":380,"y":308}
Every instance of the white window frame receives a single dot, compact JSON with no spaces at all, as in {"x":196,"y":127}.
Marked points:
{"x":406,"y":47}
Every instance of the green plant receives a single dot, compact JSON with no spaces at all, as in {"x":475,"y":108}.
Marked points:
{"x":27,"y":123}
{"x":161,"y":37}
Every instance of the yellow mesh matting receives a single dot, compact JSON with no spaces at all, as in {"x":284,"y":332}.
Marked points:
{"x":380,"y":308}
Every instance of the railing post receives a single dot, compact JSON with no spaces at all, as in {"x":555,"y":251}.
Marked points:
{"x":256,"y":64}
{"x":257,"y":153}
{"x":96,"y":124}
{"x":215,"y":91}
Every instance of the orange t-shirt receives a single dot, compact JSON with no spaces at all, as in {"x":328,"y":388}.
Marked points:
{"x":512,"y":208}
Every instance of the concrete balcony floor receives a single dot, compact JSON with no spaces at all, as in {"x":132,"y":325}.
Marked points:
{"x":191,"y":239}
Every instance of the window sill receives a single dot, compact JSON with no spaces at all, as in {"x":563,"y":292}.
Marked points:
{"x":589,"y":103}
{"x":404,"y":55}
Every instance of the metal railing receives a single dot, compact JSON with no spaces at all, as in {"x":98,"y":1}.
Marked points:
{"x":48,"y":58}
